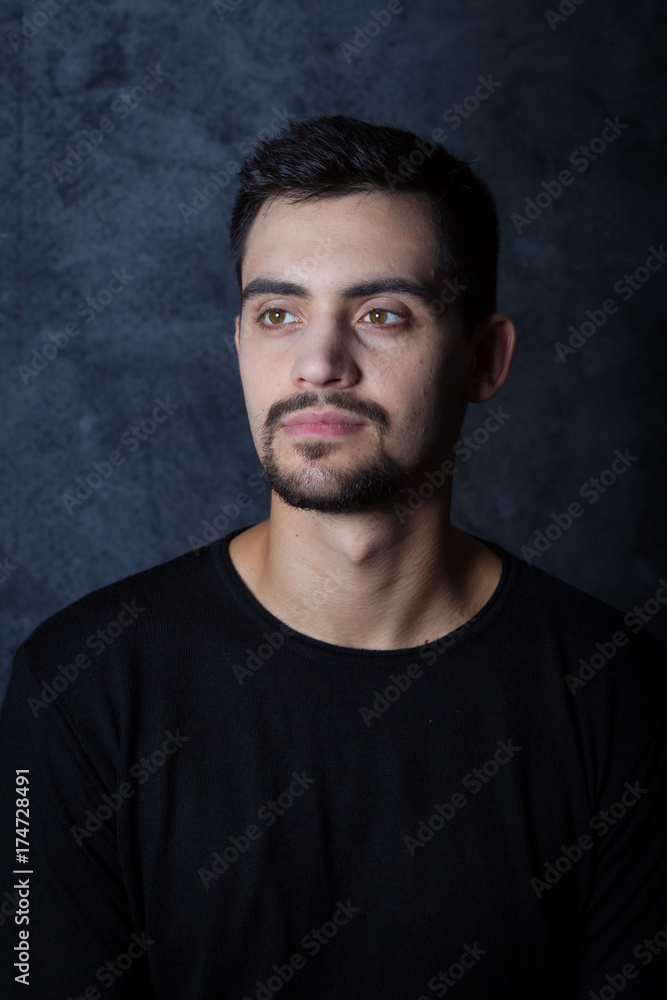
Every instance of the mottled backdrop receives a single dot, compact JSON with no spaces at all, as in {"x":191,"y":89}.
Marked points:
{"x":122,"y":124}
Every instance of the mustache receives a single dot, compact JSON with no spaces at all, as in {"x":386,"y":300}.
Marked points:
{"x":337,"y":400}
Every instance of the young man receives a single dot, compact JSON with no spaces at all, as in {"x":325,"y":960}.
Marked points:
{"x":351,"y":751}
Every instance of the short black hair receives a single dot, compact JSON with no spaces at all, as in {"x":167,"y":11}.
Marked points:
{"x":331,"y":156}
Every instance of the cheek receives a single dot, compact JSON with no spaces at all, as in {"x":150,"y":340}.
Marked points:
{"x":257,"y":378}
{"x":429,"y":397}
{"x":263,"y":385}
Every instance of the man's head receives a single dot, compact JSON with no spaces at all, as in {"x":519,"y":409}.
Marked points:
{"x":328,"y":157}
{"x":367,"y":296}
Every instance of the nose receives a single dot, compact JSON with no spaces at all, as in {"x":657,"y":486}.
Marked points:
{"x":325,"y":355}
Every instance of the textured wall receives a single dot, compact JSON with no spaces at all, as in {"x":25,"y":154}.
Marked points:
{"x":170,"y":92}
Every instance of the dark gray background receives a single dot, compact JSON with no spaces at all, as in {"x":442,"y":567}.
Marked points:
{"x":169,"y":332}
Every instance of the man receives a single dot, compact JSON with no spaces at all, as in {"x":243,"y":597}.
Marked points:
{"x":350,"y":751}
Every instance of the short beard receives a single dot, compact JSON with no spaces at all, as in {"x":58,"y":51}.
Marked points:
{"x":339,"y":492}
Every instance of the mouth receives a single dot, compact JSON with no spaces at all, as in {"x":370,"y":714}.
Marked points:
{"x":329,"y":423}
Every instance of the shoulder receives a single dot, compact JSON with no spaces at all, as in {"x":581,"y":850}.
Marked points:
{"x":576,"y":615}
{"x":115,"y":667}
{"x":607,"y":662}
{"x":121,"y":616}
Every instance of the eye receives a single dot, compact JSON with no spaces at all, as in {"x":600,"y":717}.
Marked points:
{"x":379,"y":315}
{"x":274,"y":316}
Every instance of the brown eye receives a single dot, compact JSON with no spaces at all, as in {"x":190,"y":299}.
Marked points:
{"x":379,"y":316}
{"x":274,"y":317}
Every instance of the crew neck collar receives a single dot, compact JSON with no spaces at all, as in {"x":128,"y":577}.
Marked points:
{"x":262,"y":617}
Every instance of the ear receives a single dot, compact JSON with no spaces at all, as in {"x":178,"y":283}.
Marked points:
{"x":491,"y":348}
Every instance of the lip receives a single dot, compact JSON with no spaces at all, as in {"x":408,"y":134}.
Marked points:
{"x":321,"y":417}
{"x":324,"y":423}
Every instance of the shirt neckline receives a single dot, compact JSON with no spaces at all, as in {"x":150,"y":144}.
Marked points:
{"x":262,"y":617}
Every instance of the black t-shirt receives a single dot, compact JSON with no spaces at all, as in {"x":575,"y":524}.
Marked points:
{"x":221,"y":807}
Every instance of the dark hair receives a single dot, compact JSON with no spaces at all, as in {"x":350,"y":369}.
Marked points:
{"x":336,"y":155}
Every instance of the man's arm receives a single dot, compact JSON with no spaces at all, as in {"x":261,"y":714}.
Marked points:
{"x":64,"y":908}
{"x":624,"y":926}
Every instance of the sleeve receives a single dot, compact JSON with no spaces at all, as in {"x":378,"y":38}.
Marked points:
{"x":624,"y":928}
{"x":65,"y":922}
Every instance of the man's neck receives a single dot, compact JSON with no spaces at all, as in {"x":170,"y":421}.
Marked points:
{"x":365,"y":582}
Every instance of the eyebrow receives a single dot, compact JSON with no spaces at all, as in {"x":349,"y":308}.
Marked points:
{"x":375,"y":286}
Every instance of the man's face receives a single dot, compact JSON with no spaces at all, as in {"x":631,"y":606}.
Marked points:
{"x":389,"y":361}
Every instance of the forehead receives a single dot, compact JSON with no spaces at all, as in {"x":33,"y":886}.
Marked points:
{"x":386,"y":230}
